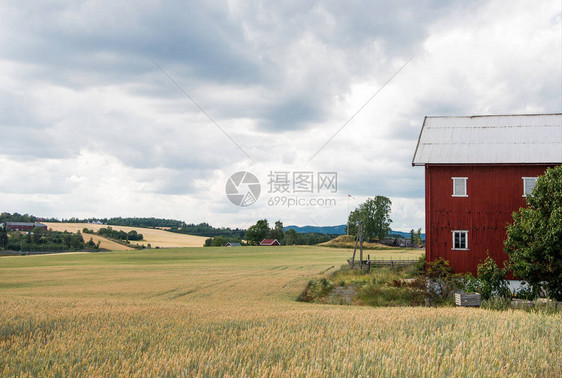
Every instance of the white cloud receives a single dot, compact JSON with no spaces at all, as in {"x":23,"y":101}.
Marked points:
{"x":91,"y":127}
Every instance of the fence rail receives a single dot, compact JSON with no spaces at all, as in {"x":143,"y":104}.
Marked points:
{"x":391,"y":262}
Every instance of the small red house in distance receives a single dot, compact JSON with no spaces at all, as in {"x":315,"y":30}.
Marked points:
{"x":478,"y":170}
{"x":24,"y":226}
{"x":269,"y":242}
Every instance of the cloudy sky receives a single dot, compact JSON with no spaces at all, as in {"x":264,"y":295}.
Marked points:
{"x":146,"y":108}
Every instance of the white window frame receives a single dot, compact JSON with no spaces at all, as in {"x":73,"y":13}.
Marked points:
{"x":465,"y":186}
{"x":525,"y":181}
{"x":465,"y":238}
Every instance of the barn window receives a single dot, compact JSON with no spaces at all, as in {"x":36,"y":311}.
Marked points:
{"x":459,"y":186}
{"x":528,"y":185}
{"x":460,"y":239}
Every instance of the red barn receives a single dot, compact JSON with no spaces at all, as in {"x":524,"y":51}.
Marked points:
{"x":24,"y":226}
{"x":269,"y":242}
{"x":478,"y":170}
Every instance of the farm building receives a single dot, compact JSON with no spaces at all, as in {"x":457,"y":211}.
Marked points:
{"x":24,"y":226}
{"x":398,"y":242}
{"x":478,"y":170}
{"x":233,"y":245}
{"x":269,"y":242}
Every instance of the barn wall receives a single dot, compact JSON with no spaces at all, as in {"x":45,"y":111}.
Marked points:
{"x":494,"y":192}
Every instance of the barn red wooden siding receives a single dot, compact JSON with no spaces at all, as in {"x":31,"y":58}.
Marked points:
{"x":494,"y":192}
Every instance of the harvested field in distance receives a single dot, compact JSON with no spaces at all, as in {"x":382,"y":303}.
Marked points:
{"x":156,"y":237}
{"x":105,"y":243}
{"x":232,"y":312}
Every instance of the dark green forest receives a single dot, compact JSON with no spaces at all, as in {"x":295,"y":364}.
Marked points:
{"x":110,"y":233}
{"x":42,"y":240}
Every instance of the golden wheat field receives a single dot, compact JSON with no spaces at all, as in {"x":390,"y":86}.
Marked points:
{"x":156,"y":237}
{"x":105,"y":243}
{"x":232,"y":312}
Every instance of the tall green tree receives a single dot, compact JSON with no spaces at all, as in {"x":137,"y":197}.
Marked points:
{"x":256,"y":233}
{"x":534,"y":240}
{"x":3,"y":235}
{"x":375,"y":215}
{"x":218,"y":241}
{"x":352,"y":226}
{"x":290,"y":237}
{"x":38,"y":233}
{"x":277,"y":231}
{"x":412,"y":236}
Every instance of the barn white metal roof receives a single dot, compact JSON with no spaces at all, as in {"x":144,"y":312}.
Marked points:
{"x":501,"y":139}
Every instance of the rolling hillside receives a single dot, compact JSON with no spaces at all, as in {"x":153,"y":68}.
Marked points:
{"x":156,"y":237}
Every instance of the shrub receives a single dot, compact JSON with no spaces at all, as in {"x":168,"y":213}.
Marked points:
{"x":91,"y":244}
{"x":528,"y":292}
{"x":442,"y":282}
{"x":315,"y":290}
{"x":470,"y":284}
{"x":492,"y":280}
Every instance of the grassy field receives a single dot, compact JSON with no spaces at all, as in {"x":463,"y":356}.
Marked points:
{"x":156,"y":237}
{"x":232,"y":311}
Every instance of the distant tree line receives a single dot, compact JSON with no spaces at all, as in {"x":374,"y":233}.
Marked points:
{"x":40,"y":239}
{"x":261,"y":230}
{"x":129,"y":222}
{"x":78,"y":220}
{"x":144,"y":222}
{"x":217,"y":235}
{"x":204,"y":229}
{"x":16,"y":217}
{"x":415,"y":237}
{"x":310,"y":238}
{"x":219,"y":241}
{"x":201,"y":229}
{"x":109,"y":232}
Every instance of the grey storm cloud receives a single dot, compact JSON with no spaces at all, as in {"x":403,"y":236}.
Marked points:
{"x":114,"y":40}
{"x":81,"y":44}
